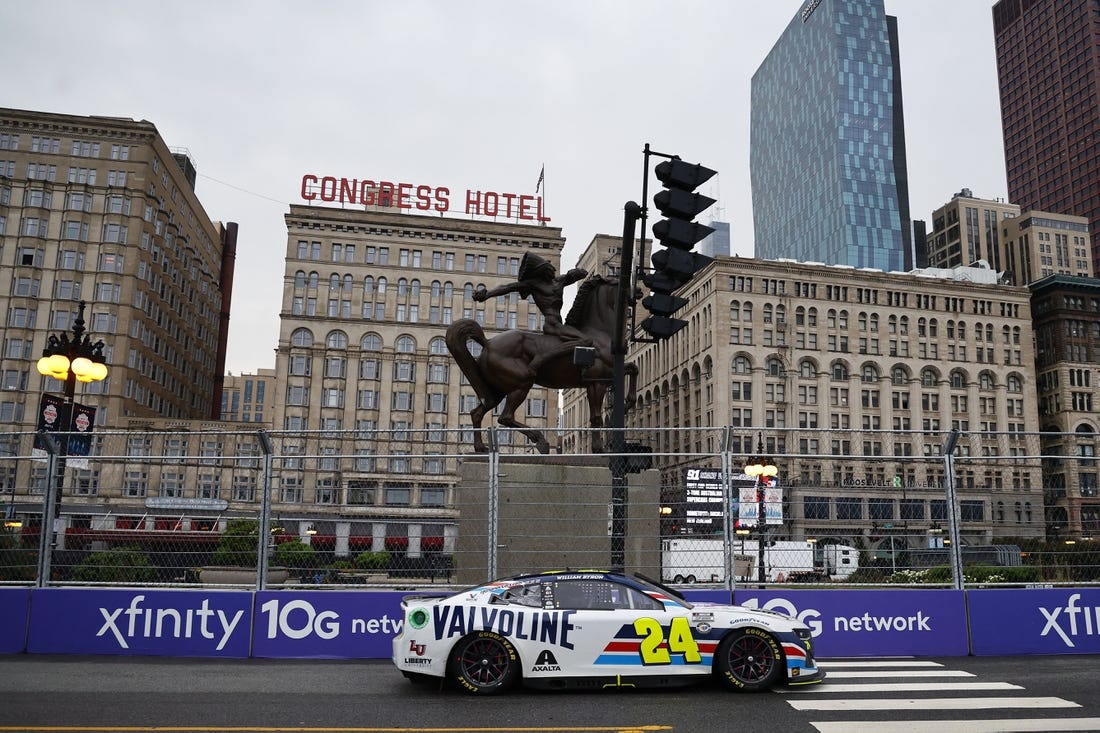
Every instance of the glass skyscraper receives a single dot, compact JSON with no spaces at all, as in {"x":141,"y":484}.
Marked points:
{"x":827,"y":150}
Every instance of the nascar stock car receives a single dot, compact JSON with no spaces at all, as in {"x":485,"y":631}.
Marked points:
{"x":592,"y":629}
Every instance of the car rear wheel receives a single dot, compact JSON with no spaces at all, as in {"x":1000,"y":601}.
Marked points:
{"x":484,"y":663}
{"x":749,"y":660}
{"x":691,"y":579}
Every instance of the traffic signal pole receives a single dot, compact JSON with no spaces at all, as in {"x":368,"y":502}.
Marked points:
{"x":631,"y":213}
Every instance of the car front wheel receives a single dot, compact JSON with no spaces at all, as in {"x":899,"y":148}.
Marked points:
{"x":484,"y":663}
{"x":749,"y":660}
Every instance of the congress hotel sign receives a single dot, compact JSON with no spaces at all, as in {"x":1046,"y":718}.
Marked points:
{"x":412,"y":198}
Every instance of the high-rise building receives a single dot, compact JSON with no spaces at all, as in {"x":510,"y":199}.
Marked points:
{"x":1066,"y":315}
{"x":368,"y":297}
{"x":1048,"y":65}
{"x":249,"y":397}
{"x":966,"y":230}
{"x":1021,"y":247}
{"x":99,"y":209}
{"x":827,"y":156}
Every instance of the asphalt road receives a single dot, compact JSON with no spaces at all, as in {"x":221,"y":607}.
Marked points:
{"x":971,"y":694}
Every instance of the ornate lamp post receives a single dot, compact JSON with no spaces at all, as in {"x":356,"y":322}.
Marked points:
{"x":68,"y":360}
{"x":762,"y":471}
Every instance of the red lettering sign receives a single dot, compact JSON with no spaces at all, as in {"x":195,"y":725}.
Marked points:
{"x":408,"y":196}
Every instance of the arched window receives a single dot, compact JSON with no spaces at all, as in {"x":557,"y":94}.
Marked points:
{"x":899,"y":376}
{"x":839,"y":371}
{"x":775,"y":368}
{"x":986,"y":382}
{"x":402,"y":287}
{"x":958,"y":379}
{"x":299,"y":279}
{"x":337,"y":340}
{"x":1015,"y":384}
{"x":933,"y":327}
{"x":874,"y":323}
{"x":348,"y":283}
{"x":928,"y":377}
{"x":735,"y":310}
{"x":767,"y":312}
{"x":301,"y":337}
{"x":333,"y":282}
{"x":468,"y":291}
{"x":368,"y":286}
{"x":807,"y":369}
{"x":800,"y":316}
{"x":371,"y":342}
{"x":741,"y":365}
{"x":405,"y":345}
{"x":437,"y":346}
{"x":870,"y":374}
{"x":448,"y":290}
{"x":436,"y":289}
{"x":314,"y":279}
{"x":381,"y":286}
{"x":811,"y":317}
{"x":414,"y":288}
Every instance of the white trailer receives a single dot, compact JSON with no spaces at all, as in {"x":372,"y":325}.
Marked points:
{"x":698,"y":560}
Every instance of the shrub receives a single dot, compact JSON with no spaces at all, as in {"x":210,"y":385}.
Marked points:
{"x":120,"y":565}
{"x":295,"y":554}
{"x":239,"y":544}
{"x":373,"y":560}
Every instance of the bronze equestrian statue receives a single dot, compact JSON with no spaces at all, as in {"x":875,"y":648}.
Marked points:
{"x":509,"y":364}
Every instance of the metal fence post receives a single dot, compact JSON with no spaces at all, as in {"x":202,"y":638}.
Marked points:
{"x":727,"y":508}
{"x":263,"y":557}
{"x":953,"y":517}
{"x":49,"y":506}
{"x":494,"y":502}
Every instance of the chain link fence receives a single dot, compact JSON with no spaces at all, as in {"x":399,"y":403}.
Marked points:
{"x":179,"y":507}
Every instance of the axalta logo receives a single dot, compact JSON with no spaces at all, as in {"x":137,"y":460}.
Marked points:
{"x":132,"y":622}
{"x":546,"y":662}
{"x":1077,"y":620}
{"x":865,"y":622}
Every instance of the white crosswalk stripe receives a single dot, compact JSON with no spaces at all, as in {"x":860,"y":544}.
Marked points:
{"x":897,"y":686}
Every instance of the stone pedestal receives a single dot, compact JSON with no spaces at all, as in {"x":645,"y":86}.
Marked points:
{"x":553,"y":514}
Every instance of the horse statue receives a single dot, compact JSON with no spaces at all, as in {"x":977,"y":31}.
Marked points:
{"x":511,"y":363}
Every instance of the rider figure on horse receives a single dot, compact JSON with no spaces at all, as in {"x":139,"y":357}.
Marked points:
{"x":537,"y":279}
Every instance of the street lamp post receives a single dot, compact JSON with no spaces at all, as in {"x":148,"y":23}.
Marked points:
{"x":760,"y":469}
{"x":68,"y":360}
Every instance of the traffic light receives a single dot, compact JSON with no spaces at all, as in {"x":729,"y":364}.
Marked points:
{"x":678,"y":233}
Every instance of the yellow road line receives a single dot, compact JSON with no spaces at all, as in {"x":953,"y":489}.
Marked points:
{"x":300,"y":729}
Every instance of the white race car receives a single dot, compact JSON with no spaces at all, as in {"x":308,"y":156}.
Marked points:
{"x":592,"y":629}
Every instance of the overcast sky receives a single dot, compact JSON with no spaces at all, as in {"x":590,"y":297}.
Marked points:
{"x":471,"y":94}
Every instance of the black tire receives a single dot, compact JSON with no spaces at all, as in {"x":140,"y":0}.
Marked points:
{"x":691,"y":579}
{"x":483,"y":663}
{"x":749,"y":660}
{"x":678,"y":579}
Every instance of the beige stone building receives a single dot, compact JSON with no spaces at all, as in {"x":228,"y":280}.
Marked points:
{"x":249,"y":397}
{"x":1024,"y":247}
{"x":373,"y":410}
{"x":100,"y":209}
{"x":851,"y":379}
